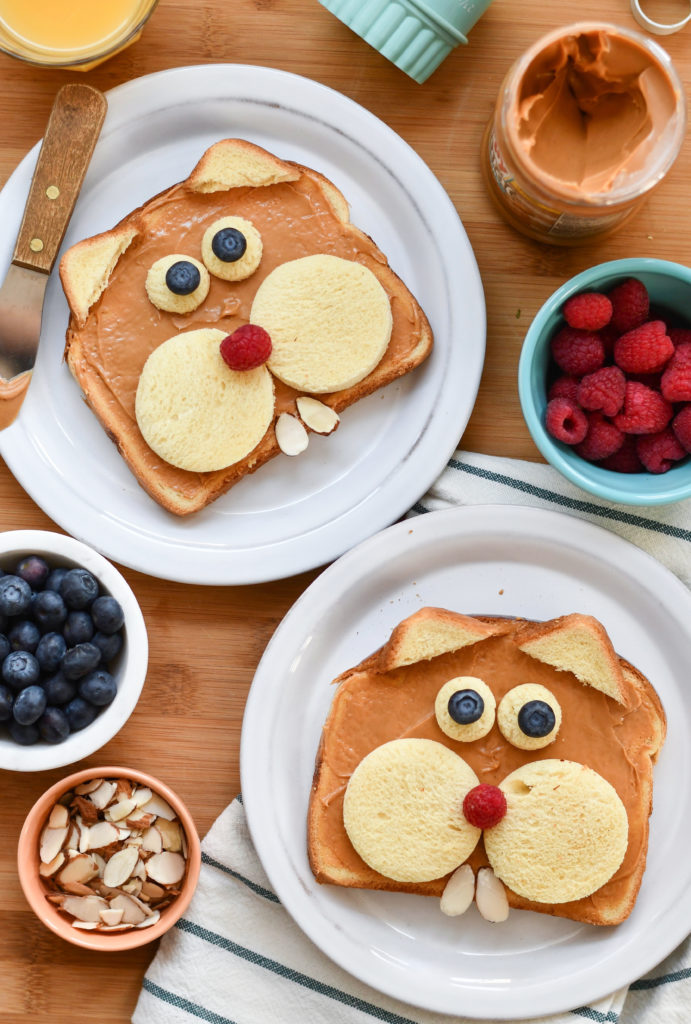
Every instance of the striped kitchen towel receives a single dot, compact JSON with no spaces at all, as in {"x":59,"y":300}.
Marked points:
{"x":237,"y":957}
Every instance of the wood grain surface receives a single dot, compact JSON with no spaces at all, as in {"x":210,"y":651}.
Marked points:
{"x":206,"y":642}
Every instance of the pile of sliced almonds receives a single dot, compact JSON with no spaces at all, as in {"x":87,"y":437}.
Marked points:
{"x":113,"y":855}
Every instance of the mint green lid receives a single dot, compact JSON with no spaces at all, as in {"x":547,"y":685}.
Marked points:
{"x":415,"y":35}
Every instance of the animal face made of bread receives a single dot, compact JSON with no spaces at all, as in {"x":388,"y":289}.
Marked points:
{"x":228,"y":317}
{"x":497,"y":759}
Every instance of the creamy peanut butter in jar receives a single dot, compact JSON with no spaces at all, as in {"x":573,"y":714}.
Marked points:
{"x":588,"y":121}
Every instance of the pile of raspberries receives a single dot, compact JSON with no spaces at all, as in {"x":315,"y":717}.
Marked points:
{"x":621,"y":396}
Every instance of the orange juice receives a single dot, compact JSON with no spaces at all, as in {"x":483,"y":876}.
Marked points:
{"x":69,"y":31}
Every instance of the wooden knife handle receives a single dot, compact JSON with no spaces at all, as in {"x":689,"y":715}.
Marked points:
{"x":73,"y":128}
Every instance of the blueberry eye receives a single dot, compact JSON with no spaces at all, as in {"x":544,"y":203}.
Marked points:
{"x":536,"y":718}
{"x":229,"y":245}
{"x":183,"y":278}
{"x":466,"y":706}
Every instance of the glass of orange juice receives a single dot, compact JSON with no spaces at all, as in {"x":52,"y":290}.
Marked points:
{"x":70,"y":33}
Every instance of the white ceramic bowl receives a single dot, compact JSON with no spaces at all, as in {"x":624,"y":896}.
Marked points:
{"x":129,"y":668}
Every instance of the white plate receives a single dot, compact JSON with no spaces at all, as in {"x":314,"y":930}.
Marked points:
{"x":293,"y":514}
{"x":497,"y":560}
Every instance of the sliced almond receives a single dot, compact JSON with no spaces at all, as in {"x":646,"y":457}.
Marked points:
{"x":151,"y":891}
{"x":79,"y":869}
{"x":170,"y":834}
{"x":51,"y":843}
{"x":116,"y":812}
{"x":46,"y":870}
{"x":85,"y":926}
{"x":148,"y":921}
{"x":99,"y":862}
{"x":102,"y":796}
{"x":72,"y":841}
{"x":111,"y":915}
{"x":291,"y":436}
{"x":84,"y":908}
{"x":157,"y":805}
{"x":133,"y":887}
{"x":123,"y":789}
{"x":490,"y":896}
{"x":119,"y":867}
{"x":131,"y":913}
{"x":142,"y":796}
{"x":318,"y":416}
{"x":87,"y":811}
{"x":88,"y":787}
{"x":152,"y":840}
{"x":458,"y":892}
{"x":114,"y":927}
{"x":103,"y":833}
{"x":166,"y":868}
{"x":59,"y":817}
{"x":140,"y":821}
{"x":77,"y":888}
{"x":84,"y":844}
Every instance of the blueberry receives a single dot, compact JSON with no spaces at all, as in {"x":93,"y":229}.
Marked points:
{"x":34,"y":570}
{"x":55,"y":578}
{"x":78,"y":588}
{"x":15,"y":595}
{"x":5,"y":647}
{"x":60,"y":690}
{"x":79,"y":660}
{"x":24,"y":734}
{"x":109,"y":645}
{"x":24,"y":636}
{"x":78,"y":628}
{"x":536,"y":718}
{"x":107,"y":614}
{"x":50,"y":651}
{"x":80,"y":713}
{"x":229,"y":245}
{"x":6,"y":702}
{"x":29,"y":705}
{"x":53,"y":725}
{"x":20,"y":669}
{"x":49,"y":610}
{"x":183,"y":278}
{"x":99,"y":688}
{"x":466,"y":706}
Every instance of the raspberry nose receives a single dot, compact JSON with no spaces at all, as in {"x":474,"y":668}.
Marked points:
{"x":484,"y":805}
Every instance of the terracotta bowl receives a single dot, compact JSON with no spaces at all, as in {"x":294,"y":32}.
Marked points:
{"x":35,"y":890}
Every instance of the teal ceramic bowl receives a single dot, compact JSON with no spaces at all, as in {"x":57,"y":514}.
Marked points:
{"x":669,"y":287}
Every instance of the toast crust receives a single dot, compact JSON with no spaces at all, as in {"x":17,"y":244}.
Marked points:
{"x":374,"y":704}
{"x":100,"y":280}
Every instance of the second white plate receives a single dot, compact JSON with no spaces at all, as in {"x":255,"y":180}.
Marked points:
{"x":496,"y":560}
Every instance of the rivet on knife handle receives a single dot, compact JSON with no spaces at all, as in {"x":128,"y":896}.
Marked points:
{"x":73,"y":128}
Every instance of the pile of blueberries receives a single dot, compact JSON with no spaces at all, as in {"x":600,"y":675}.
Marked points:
{"x":58,"y":636}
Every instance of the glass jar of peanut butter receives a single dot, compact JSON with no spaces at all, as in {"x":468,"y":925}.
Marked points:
{"x":588,"y":121}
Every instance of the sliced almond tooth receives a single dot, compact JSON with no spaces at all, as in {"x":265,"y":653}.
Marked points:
{"x":147,"y":922}
{"x":111,"y":915}
{"x":46,"y":870}
{"x":170,"y":834}
{"x":102,"y":796}
{"x":77,"y":888}
{"x":79,"y":869}
{"x":318,"y":416}
{"x":152,"y":840}
{"x":157,"y":805}
{"x":84,"y":908}
{"x":458,"y":892}
{"x":131,"y":913}
{"x":59,"y":817}
{"x":103,"y":833}
{"x":166,"y":868}
{"x":151,"y":890}
{"x":120,"y":810}
{"x":86,"y":926}
{"x":51,"y":843}
{"x":119,"y":867}
{"x":490,"y":896}
{"x":88,"y":787}
{"x":142,"y":796}
{"x":291,"y":436}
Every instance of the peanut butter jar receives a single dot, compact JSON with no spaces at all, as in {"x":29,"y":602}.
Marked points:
{"x":588,"y":121}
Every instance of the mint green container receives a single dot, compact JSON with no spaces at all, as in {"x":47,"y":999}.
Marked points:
{"x":415,"y":35}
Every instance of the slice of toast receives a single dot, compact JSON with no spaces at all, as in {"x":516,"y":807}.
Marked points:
{"x":114,"y":326}
{"x":381,"y":700}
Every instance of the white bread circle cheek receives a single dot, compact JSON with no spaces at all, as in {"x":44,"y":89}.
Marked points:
{"x":403,"y":810}
{"x":564,"y":834}
{"x":194,"y":411}
{"x":329,"y":320}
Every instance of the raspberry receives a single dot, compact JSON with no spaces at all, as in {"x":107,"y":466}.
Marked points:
{"x":246,"y":348}
{"x":603,"y":390}
{"x":577,"y":352}
{"x":564,"y":387}
{"x":645,"y":411}
{"x":630,"y":305}
{"x":681,"y":425}
{"x":602,"y":440}
{"x":676,"y":380}
{"x":566,"y":421}
{"x":588,"y":311}
{"x":645,"y":349}
{"x":680,"y":335}
{"x":484,"y":806}
{"x":659,"y":452}
{"x":626,"y":459}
